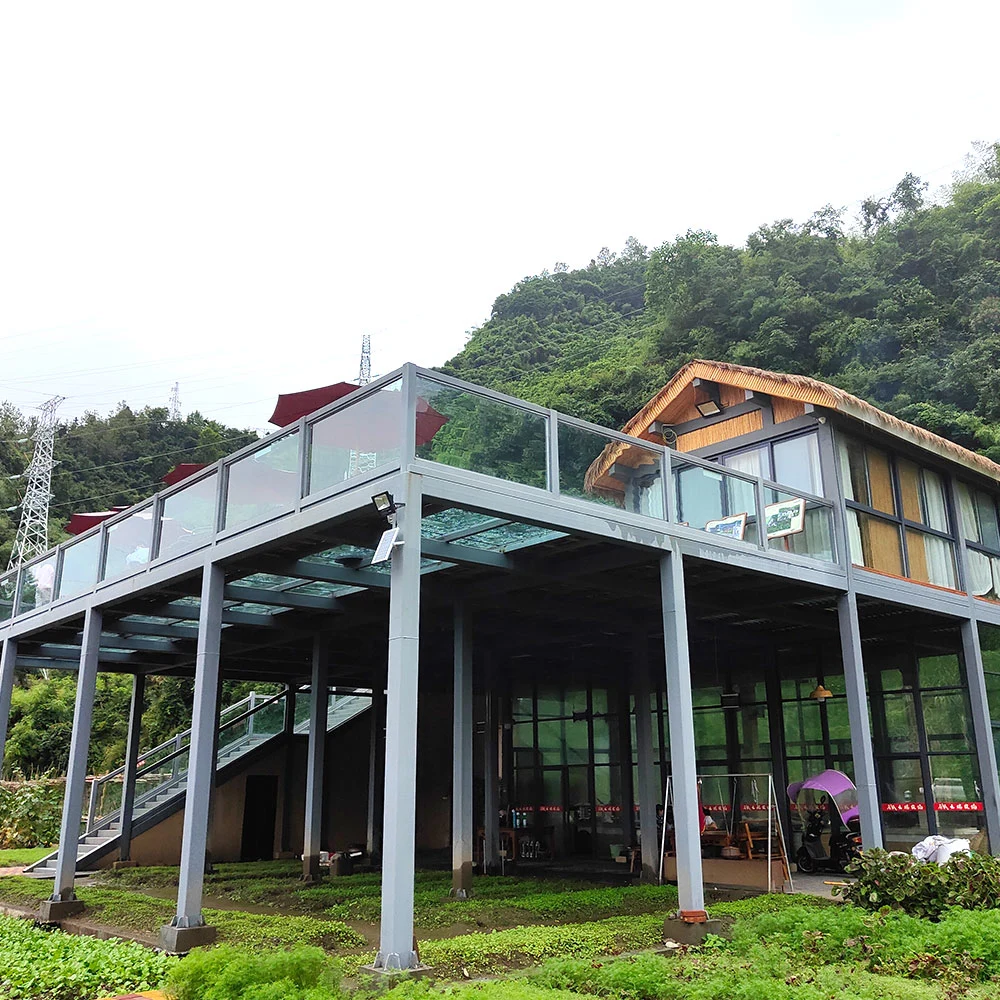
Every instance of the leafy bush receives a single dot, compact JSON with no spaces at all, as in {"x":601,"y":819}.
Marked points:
{"x":971,"y":882}
{"x":723,"y":977}
{"x":37,"y":964}
{"x":228,"y":973}
{"x":30,"y":812}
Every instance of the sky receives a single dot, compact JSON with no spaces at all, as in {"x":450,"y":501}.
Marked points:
{"x":229,"y":195}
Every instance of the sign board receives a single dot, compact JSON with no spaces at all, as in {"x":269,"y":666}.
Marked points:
{"x":731,"y":527}
{"x":788,"y":517}
{"x":384,"y":548}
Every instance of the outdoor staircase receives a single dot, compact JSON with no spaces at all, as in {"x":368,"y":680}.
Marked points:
{"x":247,"y":729}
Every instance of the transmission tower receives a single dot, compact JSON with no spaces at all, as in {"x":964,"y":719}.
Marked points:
{"x":365,"y":375}
{"x":175,"y":402}
{"x":33,"y":531}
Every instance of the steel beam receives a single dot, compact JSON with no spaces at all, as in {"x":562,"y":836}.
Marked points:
{"x":396,"y":949}
{"x":982,"y":726}
{"x":683,"y":765}
{"x":433,"y":548}
{"x":650,"y":793}
{"x":8,"y":664}
{"x":76,"y":773}
{"x":461,"y":775}
{"x":281,"y":598}
{"x":200,"y":772}
{"x":131,"y":765}
{"x":315,"y":758}
{"x":860,"y":723}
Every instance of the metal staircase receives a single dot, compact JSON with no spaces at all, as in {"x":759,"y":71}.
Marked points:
{"x":247,"y":729}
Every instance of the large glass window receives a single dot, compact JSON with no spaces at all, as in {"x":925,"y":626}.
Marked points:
{"x":978,"y":514}
{"x":914,"y":541}
{"x":790,"y":462}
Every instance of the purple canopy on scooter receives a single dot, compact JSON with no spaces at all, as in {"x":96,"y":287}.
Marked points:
{"x":835,"y":785}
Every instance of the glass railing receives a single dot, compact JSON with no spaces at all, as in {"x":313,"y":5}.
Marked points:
{"x":367,"y":434}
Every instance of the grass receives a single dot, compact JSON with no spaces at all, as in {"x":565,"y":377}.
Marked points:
{"x":22,"y":856}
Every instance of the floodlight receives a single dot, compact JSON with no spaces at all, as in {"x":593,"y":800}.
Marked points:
{"x":384,"y":503}
{"x":709,"y":408}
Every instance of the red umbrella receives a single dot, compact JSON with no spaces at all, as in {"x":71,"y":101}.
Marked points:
{"x":181,"y":472}
{"x":79,"y":523}
{"x":293,"y":405}
{"x":384,"y":425}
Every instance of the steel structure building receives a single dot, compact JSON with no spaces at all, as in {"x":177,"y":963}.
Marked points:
{"x":615,"y":610}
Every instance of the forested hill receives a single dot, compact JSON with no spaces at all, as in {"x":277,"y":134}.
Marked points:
{"x":104,"y":461}
{"x":900,"y":307}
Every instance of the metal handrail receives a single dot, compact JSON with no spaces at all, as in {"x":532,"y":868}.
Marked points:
{"x":97,"y":783}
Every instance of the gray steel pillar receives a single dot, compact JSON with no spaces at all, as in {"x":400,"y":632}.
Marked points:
{"x":857,"y":714}
{"x":649,"y":792}
{"x":376,"y":770}
{"x":683,"y":765}
{"x":131,"y":766}
{"x":982,"y":726}
{"x":315,"y":758}
{"x":76,"y":773}
{"x":491,"y":784}
{"x":8,"y":663}
{"x":396,"y":943}
{"x":462,"y":834}
{"x":288,"y":778}
{"x":188,"y":927}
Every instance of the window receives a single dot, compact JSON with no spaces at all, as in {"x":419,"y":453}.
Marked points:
{"x":897,"y":515}
{"x":978,"y":515}
{"x":790,"y":462}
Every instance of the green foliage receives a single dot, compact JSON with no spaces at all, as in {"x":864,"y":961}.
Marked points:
{"x":905,"y":313}
{"x":971,"y":882}
{"x":228,"y":973}
{"x":30,"y":813}
{"x":37,"y":964}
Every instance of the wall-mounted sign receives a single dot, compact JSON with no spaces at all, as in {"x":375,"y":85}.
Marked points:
{"x":731,"y":527}
{"x":958,"y":807}
{"x":787,"y":517}
{"x":903,"y":807}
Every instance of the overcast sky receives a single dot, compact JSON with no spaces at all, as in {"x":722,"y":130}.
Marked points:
{"x":228,"y":195}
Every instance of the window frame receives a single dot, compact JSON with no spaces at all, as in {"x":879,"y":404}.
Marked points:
{"x":901,"y":522}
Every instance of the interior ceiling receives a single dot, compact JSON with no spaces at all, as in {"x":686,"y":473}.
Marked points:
{"x":534,"y":594}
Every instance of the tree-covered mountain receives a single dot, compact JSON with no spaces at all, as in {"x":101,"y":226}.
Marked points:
{"x":902,"y":310}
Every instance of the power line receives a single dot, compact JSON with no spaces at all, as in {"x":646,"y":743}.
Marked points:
{"x":110,"y":493}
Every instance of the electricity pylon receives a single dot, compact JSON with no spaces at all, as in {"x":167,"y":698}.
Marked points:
{"x":33,"y":531}
{"x":365,"y":374}
{"x":175,"y":402}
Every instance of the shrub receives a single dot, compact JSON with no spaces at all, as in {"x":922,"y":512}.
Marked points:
{"x":229,"y":973}
{"x":37,"y":964}
{"x":30,"y":812}
{"x":971,"y":882}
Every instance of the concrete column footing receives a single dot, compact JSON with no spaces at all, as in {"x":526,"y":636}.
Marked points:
{"x":683,"y":932}
{"x":180,"y":940}
{"x":51,"y":911}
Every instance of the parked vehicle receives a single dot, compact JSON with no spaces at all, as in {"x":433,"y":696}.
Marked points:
{"x":828,"y":800}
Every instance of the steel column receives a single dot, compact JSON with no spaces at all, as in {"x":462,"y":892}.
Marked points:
{"x":983,"y":728}
{"x":857,"y":714}
{"x":76,"y":773}
{"x":396,"y":942}
{"x":201,"y":752}
{"x":683,"y":765}
{"x":288,"y":777}
{"x":461,"y":780}
{"x":376,"y":770}
{"x":315,"y":760}
{"x":8,"y":663}
{"x":649,"y":791}
{"x":131,"y":766}
{"x":491,"y":782}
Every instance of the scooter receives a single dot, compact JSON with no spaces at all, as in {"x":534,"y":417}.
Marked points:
{"x":811,"y":857}
{"x":818,"y":800}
